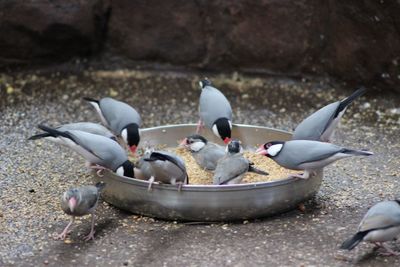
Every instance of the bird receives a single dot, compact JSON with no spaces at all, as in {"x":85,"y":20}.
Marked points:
{"x":321,"y":125}
{"x":168,"y":168}
{"x":233,"y":166}
{"x":121,"y":118}
{"x":306,"y":155}
{"x":100,"y":152}
{"x":205,"y":153}
{"x":215,"y":111}
{"x":81,"y":201}
{"x":89,"y":127}
{"x":380,"y":224}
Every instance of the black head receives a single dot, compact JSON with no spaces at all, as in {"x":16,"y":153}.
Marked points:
{"x":234,"y":146}
{"x":194,"y":137}
{"x":222,"y":128}
{"x":127,"y":169}
{"x":205,"y":82}
{"x":132,"y":136}
{"x":271,"y":149}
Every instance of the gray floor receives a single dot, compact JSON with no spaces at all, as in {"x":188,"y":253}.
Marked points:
{"x":33,"y":175}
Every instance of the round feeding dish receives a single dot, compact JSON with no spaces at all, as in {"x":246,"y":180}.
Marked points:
{"x":208,"y":202}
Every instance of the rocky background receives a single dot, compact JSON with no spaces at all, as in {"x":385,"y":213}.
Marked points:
{"x":354,"y":41}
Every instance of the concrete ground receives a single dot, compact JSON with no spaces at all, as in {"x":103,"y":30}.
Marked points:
{"x":33,"y":175}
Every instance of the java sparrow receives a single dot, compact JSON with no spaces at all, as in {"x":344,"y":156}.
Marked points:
{"x":380,"y":224}
{"x":321,"y":125}
{"x":89,"y":127}
{"x":306,"y":155}
{"x":215,"y":111}
{"x":233,"y":166}
{"x":167,"y":168}
{"x":205,"y":153}
{"x":96,"y":149}
{"x":121,"y":118}
{"x":81,"y":201}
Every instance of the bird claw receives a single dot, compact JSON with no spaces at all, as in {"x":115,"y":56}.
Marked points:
{"x":200,"y":126}
{"x":89,"y":236}
{"x":100,"y":173}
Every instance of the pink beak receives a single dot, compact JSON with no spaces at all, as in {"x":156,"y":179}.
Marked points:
{"x":133,"y":149}
{"x":227,"y":140}
{"x":183,"y":143}
{"x":261,"y":150}
{"x":72,"y":203}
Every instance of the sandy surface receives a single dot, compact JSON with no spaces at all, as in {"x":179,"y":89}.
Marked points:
{"x":33,"y":175}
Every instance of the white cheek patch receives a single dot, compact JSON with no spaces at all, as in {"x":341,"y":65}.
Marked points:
{"x":124,"y":135}
{"x":196,"y":146}
{"x":215,"y":130}
{"x":120,"y":171}
{"x":274,"y":149}
{"x":230,"y":124}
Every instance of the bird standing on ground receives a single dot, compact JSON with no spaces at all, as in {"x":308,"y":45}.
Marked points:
{"x":121,"y":118}
{"x":215,"y":111}
{"x":380,"y":224}
{"x":81,"y":201}
{"x":306,"y":155}
{"x":233,"y":166}
{"x":321,"y":125}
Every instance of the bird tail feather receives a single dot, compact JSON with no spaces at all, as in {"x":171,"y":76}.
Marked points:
{"x":39,"y":136}
{"x":258,"y":171}
{"x":358,"y":152}
{"x":352,"y":242}
{"x":89,"y":99}
{"x":348,"y":100}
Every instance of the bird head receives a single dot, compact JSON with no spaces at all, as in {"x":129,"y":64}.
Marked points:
{"x":234,"y":146}
{"x":270,"y":149}
{"x":131,"y":136}
{"x":223,"y":128}
{"x":205,"y":82}
{"x":127,"y":169}
{"x":194,"y":142}
{"x":72,"y":198}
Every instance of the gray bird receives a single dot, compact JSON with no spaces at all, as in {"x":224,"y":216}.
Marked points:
{"x":380,"y":224}
{"x":321,"y":125}
{"x":81,"y":201}
{"x":233,"y":166}
{"x":205,"y":153}
{"x":306,"y":155}
{"x":121,"y":118}
{"x":145,"y":171}
{"x":96,"y":149}
{"x":167,"y":168}
{"x":89,"y":127}
{"x":215,"y":111}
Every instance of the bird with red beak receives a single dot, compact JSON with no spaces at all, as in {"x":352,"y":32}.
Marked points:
{"x":215,"y":111}
{"x":81,"y":201}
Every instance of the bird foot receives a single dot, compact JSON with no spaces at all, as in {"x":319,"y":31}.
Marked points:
{"x":63,"y":235}
{"x":151,"y":181}
{"x":89,"y":236}
{"x":389,"y":251}
{"x":200,"y":126}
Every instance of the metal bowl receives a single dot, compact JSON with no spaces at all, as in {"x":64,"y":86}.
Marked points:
{"x":209,"y":202}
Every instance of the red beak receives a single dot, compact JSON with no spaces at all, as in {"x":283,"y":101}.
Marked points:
{"x":227,"y":140}
{"x":72,"y":203}
{"x":262,"y":151}
{"x":133,"y":149}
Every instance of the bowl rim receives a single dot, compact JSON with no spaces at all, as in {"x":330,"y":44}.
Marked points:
{"x":210,"y":188}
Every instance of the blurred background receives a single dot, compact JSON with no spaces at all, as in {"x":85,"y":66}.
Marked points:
{"x":357,"y":42}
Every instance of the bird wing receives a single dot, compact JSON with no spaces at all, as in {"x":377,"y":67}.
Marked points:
{"x":164,"y":156}
{"x":213,"y":105}
{"x":229,"y":168}
{"x":378,"y":222}
{"x":382,"y":215}
{"x":119,"y":114}
{"x":90,"y":195}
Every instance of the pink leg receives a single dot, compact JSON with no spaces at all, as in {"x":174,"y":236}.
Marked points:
{"x":200,"y":126}
{"x":64,"y":233}
{"x":99,"y":168}
{"x":91,"y":234}
{"x":389,"y":251}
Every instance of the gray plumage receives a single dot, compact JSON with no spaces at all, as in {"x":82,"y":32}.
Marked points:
{"x":233,"y":166}
{"x":321,"y":125}
{"x":116,"y":114}
{"x":205,"y":153}
{"x":380,"y":224}
{"x":213,"y":105}
{"x":81,"y":201}
{"x":88,"y":127}
{"x":307,"y":155}
{"x":96,"y":149}
{"x":145,"y":166}
{"x":167,"y":167}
